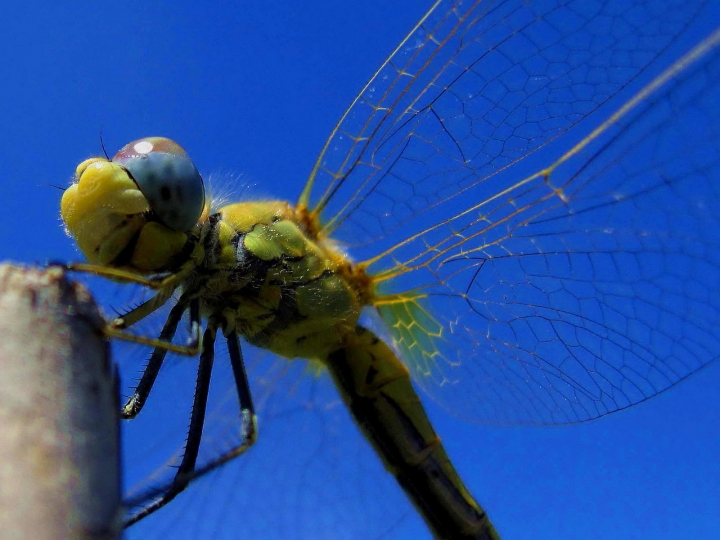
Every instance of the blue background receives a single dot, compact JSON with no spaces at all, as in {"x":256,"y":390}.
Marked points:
{"x":251,"y":89}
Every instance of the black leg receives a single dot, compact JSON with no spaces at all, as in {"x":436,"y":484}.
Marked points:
{"x":247,"y":409}
{"x":135,"y":404}
{"x":186,"y":470}
{"x":240,"y":375}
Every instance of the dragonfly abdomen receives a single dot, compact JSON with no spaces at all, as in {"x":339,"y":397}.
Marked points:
{"x":376,"y":387}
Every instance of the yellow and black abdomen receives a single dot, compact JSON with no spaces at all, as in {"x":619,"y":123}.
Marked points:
{"x":376,"y":387}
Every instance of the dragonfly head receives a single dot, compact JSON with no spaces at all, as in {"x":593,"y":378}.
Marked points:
{"x":137,"y":209}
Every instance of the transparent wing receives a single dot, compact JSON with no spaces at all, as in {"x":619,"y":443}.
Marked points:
{"x":475,"y":87}
{"x":586,"y":287}
{"x":519,"y":286}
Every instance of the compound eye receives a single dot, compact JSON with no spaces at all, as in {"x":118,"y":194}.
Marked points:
{"x":167,"y":178}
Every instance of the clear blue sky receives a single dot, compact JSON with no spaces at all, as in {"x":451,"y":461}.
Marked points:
{"x":251,"y":89}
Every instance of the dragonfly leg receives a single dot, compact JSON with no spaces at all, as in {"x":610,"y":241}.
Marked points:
{"x":248,"y":418}
{"x":157,"y":281}
{"x":116,"y":328}
{"x":186,"y":471}
{"x":165,"y":284}
{"x":135,"y":404}
{"x":142,"y":311}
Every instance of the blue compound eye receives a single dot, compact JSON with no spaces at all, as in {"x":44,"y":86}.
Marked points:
{"x":167,"y":178}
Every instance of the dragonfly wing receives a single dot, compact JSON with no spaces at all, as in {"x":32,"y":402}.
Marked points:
{"x":584,"y":288}
{"x":475,"y":87}
{"x":521,"y":287}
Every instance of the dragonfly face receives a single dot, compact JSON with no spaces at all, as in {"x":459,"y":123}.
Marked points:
{"x":523,"y":280}
{"x":135,"y":209}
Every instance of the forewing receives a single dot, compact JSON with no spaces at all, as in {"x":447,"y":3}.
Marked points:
{"x":474,"y":88}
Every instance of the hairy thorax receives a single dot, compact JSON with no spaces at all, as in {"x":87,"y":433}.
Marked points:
{"x":265,"y":277}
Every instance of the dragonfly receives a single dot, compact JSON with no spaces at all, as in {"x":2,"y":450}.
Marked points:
{"x":517,"y":278}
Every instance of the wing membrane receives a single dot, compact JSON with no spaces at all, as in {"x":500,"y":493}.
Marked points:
{"x":585,"y":287}
{"x":474,"y":88}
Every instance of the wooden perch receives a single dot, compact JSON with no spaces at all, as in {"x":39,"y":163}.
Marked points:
{"x":59,"y":447}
